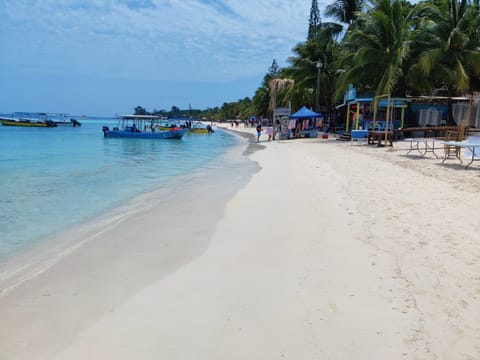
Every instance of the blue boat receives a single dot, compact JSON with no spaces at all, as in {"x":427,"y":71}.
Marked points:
{"x":142,"y":127}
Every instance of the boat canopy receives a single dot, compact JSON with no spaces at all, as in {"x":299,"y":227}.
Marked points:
{"x":139,"y":117}
{"x":40,"y":115}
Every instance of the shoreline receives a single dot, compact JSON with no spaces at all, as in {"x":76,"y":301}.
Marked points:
{"x":329,"y":251}
{"x":91,"y":254}
{"x":40,"y":202}
{"x":43,"y":253}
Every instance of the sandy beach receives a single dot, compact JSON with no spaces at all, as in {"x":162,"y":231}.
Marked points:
{"x":319,"y":250}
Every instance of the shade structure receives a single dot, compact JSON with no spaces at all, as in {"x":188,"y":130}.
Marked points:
{"x":304,"y":113}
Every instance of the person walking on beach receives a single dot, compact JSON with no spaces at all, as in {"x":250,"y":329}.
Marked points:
{"x":259,"y":132}
{"x":270,"y":132}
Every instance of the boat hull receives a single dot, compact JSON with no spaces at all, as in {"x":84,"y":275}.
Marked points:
{"x":199,"y":131}
{"x":71,"y":122}
{"x":9,"y":122}
{"x":168,"y":134}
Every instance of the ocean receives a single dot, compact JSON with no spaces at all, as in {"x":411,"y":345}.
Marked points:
{"x":54,"y":178}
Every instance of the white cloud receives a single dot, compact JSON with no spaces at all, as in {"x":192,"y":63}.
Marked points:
{"x":151,"y":39}
{"x":100,"y":55}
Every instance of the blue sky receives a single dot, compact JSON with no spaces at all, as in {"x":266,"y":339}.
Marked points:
{"x":102,"y":57}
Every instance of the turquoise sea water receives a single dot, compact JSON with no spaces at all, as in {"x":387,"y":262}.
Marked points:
{"x":53,"y":178}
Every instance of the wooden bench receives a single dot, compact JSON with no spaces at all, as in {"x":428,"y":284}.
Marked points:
{"x":428,"y":131}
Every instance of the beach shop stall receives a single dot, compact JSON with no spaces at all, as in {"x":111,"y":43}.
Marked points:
{"x":388,"y":113}
{"x":355,"y":113}
{"x":372,"y":112}
{"x":304,"y":123}
{"x":385,"y":113}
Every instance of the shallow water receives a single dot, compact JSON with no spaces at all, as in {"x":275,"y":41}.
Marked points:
{"x":53,"y":178}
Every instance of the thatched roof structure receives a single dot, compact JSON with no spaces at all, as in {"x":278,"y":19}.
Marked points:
{"x":277,"y":85}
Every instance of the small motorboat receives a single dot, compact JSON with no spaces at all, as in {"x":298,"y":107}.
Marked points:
{"x":39,"y":120}
{"x":72,"y":122}
{"x":200,"y":128}
{"x":26,"y":122}
{"x":142,"y":127}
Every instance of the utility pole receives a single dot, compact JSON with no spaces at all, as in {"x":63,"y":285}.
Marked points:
{"x":317,"y":93}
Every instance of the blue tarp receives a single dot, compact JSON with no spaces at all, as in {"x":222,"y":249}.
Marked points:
{"x":393,"y":103}
{"x":304,"y":113}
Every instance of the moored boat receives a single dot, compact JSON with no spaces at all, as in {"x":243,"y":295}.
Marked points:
{"x":163,"y":124}
{"x":142,"y":127}
{"x":200,"y":128}
{"x":30,"y":119}
{"x":72,"y":122}
{"x":26,"y":122}
{"x":60,"y":119}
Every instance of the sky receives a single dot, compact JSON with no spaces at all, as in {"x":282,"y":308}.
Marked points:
{"x":105,"y":57}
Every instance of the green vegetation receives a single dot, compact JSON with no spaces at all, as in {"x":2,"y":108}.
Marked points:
{"x":379,"y":47}
{"x":314,"y":21}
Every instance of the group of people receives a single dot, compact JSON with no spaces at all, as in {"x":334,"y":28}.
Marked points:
{"x":269,"y":132}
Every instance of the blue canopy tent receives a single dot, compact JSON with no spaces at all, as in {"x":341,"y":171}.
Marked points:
{"x":305,"y":113}
{"x":306,"y":129}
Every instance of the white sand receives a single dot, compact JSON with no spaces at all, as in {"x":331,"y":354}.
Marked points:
{"x":330,"y":252}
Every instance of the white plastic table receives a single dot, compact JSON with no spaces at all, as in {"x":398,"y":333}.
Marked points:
{"x":473,"y":145}
{"x":428,"y":145}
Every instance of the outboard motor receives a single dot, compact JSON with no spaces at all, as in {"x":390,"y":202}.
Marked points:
{"x":75,"y":122}
{"x":209,"y":128}
{"x":105,"y":129}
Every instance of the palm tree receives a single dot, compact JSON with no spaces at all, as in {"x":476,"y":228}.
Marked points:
{"x":261,"y":100}
{"x":377,"y":48}
{"x":450,"y":38}
{"x":302,"y":71}
{"x":344,"y":10}
{"x":323,"y":48}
